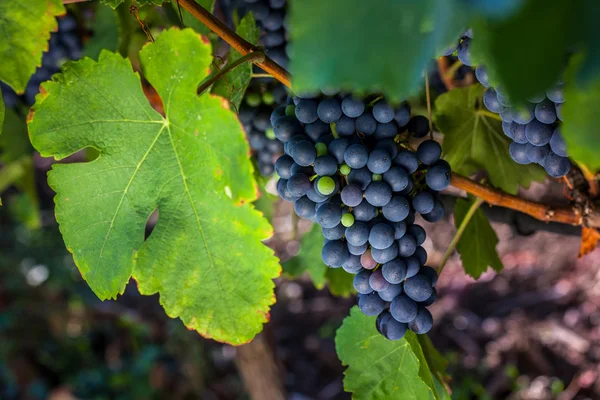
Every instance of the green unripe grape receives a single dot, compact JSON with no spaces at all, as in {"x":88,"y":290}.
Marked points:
{"x":321,"y":149}
{"x":345,"y":169}
{"x":347,"y":220}
{"x":253,"y":99}
{"x":377,"y":177}
{"x":268,"y":98}
{"x":325,"y":185}
{"x":290,"y":110}
{"x":270,"y":133}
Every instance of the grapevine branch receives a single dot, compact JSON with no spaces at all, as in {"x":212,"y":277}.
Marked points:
{"x":543,"y":212}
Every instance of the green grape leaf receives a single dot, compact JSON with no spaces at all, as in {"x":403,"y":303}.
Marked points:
{"x":473,"y":139}
{"x":309,"y":260}
{"x":580,"y":125}
{"x":379,"y":368}
{"x":205,"y":255}
{"x":425,"y":372}
{"x":477,"y":245}
{"x":189,"y":21}
{"x":1,"y":112}
{"x":106,"y":33}
{"x":521,"y":54}
{"x":25,"y":27}
{"x":353,"y":45}
{"x":234,"y":84}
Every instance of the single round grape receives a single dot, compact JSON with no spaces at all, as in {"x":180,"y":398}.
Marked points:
{"x":357,"y":250}
{"x":385,"y":255}
{"x":337,"y":148}
{"x":325,"y":165}
{"x":556,"y":166}
{"x":325,"y":185}
{"x":545,"y":112}
{"x":356,"y":156}
{"x":283,"y":166}
{"x":335,"y":233}
{"x":304,"y":153}
{"x":507,"y":116}
{"x":397,"y":178}
{"x":402,"y":115}
{"x":518,"y":152}
{"x":345,"y":169}
{"x":423,"y":202}
{"x":397,"y":209}
{"x":304,"y":207}
{"x":329,"y":215}
{"x":335,"y":253}
{"x":381,"y":236}
{"x":429,"y":152}
{"x":370,"y":304}
{"x":412,"y":266}
{"x":407,"y":160}
{"x":391,"y":292}
{"x":366,"y":124}
{"x":361,"y":282}
{"x":430,"y":300}
{"x":436,"y":214}
{"x":418,"y":233}
{"x":352,"y":195}
{"x":377,"y":281}
{"x":403,"y":309}
{"x":399,"y":228}
{"x":321,"y":148}
{"x":315,"y":196}
{"x":394,"y":271}
{"x":294,"y":140}
{"x":418,"y":287}
{"x":329,"y":110}
{"x":421,"y":255}
{"x":507,"y":129}
{"x":490,"y":101}
{"x":430,"y":273}
{"x":422,"y":322}
{"x":482,"y":76}
{"x":383,"y":112}
{"x":298,"y":184}
{"x":538,"y":133}
{"x":379,"y":161}
{"x":364,"y":211}
{"x":438,"y":176}
{"x":536,"y":154}
{"x":358,"y":233}
{"x":463,"y":53}
{"x":418,"y":126}
{"x":347,"y":219}
{"x":352,"y":107}
{"x":504,"y":101}
{"x":407,"y":245}
{"x":391,"y":329}
{"x":378,"y":194}
{"x":345,"y":126}
{"x":361,"y":177}
{"x":367,"y":261}
{"x":557,"y":144}
{"x":518,"y":133}
{"x":556,"y":94}
{"x":352,"y":265}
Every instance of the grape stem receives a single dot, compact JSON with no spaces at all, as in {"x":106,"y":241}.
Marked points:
{"x":428,"y":95}
{"x":543,"y":212}
{"x":459,"y":232}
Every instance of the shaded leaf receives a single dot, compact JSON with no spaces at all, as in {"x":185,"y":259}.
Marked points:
{"x":234,"y":84}
{"x":477,"y":245}
{"x":340,"y":282}
{"x":25,"y":27}
{"x":473,"y":140}
{"x":309,"y":258}
{"x":378,"y":368}
{"x":106,"y":33}
{"x":205,"y":255}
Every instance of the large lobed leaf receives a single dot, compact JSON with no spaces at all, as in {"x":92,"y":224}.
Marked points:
{"x":473,"y":139}
{"x":379,"y":368}
{"x":25,"y":27}
{"x":204,"y":255}
{"x":234,"y":84}
{"x":477,"y":246}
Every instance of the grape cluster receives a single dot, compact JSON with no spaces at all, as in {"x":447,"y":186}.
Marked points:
{"x":533,"y":127}
{"x":255,"y":112}
{"x":64,"y":45}
{"x":270,"y":17}
{"x":345,"y":167}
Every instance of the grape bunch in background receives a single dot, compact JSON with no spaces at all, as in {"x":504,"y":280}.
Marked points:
{"x":64,"y":45}
{"x":533,"y":127}
{"x":270,"y":18}
{"x":346,"y":168}
{"x":255,"y":112}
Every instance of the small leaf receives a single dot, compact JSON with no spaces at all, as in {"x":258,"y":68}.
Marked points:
{"x":589,"y":240}
{"x":436,"y":362}
{"x":340,"y":282}
{"x":425,"y":371}
{"x":353,"y":45}
{"x":106,"y":33}
{"x":477,"y":245}
{"x":521,"y":53}
{"x":25,"y":27}
{"x":378,"y":368}
{"x":234,"y":84}
{"x":473,"y":139}
{"x":205,"y":255}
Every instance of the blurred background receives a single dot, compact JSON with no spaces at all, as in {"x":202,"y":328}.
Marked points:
{"x":530,"y":332}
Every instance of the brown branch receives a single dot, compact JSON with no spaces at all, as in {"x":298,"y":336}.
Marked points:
{"x":442,"y":63}
{"x":235,"y":41}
